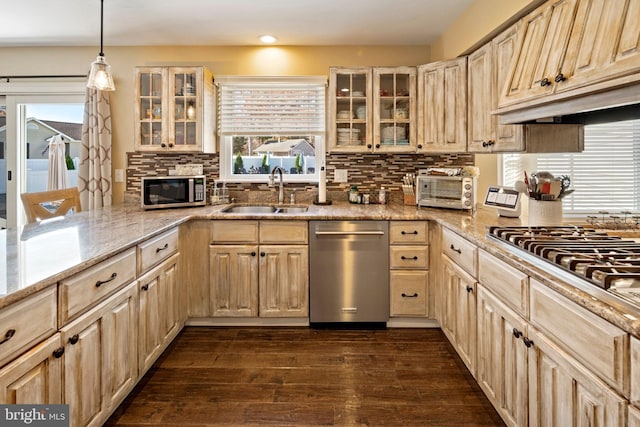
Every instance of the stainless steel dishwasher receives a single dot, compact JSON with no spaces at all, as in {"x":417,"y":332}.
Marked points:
{"x":349,"y":272}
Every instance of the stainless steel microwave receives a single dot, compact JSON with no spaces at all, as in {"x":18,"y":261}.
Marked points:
{"x":454,"y":192}
{"x":160,"y":192}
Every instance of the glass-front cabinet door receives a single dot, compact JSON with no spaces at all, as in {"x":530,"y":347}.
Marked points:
{"x":150,"y":129}
{"x":175,"y":109}
{"x":350,"y":109}
{"x":394,"y":128}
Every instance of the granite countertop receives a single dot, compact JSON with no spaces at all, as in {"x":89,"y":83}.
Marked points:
{"x":39,"y":255}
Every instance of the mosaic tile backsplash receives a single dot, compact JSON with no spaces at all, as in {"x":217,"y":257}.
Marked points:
{"x":368,"y":171}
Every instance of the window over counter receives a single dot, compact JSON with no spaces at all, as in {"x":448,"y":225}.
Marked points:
{"x":605,"y":176}
{"x":266,"y":122}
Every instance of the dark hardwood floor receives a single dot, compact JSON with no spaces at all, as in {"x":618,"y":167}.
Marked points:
{"x":307,"y":377}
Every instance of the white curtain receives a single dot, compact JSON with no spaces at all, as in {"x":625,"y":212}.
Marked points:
{"x":94,"y":172}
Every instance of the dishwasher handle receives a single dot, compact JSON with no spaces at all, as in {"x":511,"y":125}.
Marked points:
{"x":350,"y":233}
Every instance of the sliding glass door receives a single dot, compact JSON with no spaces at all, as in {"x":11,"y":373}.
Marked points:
{"x":32,"y":117}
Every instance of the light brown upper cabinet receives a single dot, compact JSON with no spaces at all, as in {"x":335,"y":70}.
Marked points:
{"x":442,"y":106}
{"x":572,"y":48}
{"x":372,"y":110}
{"x":394,"y":110}
{"x":350,"y":112}
{"x":174,"y":109}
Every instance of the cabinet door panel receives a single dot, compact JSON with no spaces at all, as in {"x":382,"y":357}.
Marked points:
{"x":502,"y":358}
{"x":563,"y":392}
{"x":284,"y":281}
{"x":35,"y":377}
{"x":234,"y":280}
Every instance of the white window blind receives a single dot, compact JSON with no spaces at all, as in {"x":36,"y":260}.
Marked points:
{"x":605,"y":176}
{"x":272,"y":106}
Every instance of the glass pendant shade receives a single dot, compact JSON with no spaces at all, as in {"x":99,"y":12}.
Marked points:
{"x":100,"y":75}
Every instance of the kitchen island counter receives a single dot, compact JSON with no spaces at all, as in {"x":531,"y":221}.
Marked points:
{"x":37,"y":256}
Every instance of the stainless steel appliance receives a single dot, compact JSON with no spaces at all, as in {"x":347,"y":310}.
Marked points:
{"x":454,"y":192}
{"x":595,"y":260}
{"x":159,"y":192}
{"x":349,"y":272}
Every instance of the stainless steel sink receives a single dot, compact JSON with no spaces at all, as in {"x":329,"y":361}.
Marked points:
{"x":264,"y":209}
{"x":253,"y":209}
{"x":292,"y":209}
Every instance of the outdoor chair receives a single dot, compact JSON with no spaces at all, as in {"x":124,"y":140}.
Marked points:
{"x":50,"y":204}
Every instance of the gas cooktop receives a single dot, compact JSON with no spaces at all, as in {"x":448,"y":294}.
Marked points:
{"x":609,"y":262}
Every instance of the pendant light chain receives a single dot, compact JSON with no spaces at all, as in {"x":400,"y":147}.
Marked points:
{"x":101,"y":25}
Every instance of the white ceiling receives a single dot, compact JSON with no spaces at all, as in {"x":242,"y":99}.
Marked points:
{"x":226,"y":22}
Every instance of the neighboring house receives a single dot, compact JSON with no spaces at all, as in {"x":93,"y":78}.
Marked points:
{"x":39,"y":133}
{"x":290,"y":147}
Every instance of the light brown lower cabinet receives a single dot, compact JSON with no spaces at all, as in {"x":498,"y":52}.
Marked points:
{"x":502,"y":358}
{"x":35,"y":377}
{"x":100,"y":359}
{"x":159,"y":319}
{"x":634,"y":417}
{"x":459,"y":318}
{"x":284,"y":281}
{"x":562,"y":392}
{"x":233,"y":280}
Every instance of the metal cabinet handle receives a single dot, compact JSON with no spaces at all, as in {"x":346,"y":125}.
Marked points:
{"x":545,"y":82}
{"x":170,"y":145}
{"x":74,"y":339}
{"x":102,"y":282}
{"x":57,"y":353}
{"x":419,"y":146}
{"x":166,"y":246}
{"x":469,"y":289}
{"x":560,"y":78}
{"x":368,"y":145}
{"x":415,"y":295}
{"x":163,"y":145}
{"x":409,"y":232}
{"x":527,"y":342}
{"x":145,"y":287}
{"x":10,"y":333}
{"x":415,"y":258}
{"x":489,"y":143}
{"x":262,"y":254}
{"x":349,"y":233}
{"x":253,"y":253}
{"x":517,"y":333}
{"x":454,"y":249}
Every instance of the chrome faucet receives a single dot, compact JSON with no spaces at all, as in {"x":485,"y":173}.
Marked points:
{"x":281,"y":188}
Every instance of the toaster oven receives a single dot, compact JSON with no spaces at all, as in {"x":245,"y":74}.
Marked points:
{"x":453,"y":192}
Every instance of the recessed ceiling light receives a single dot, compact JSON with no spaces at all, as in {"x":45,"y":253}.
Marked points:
{"x":268,"y":39}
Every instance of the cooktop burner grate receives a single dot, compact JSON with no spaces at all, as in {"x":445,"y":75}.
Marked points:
{"x":609,"y":262}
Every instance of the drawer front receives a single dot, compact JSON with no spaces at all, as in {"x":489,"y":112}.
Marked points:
{"x":599,"y":345}
{"x":460,"y":251}
{"x":275,"y":232}
{"x":409,"y":232}
{"x":234,"y":231}
{"x":83,"y":290}
{"x":409,"y":257}
{"x":155,"y":250}
{"x":26,"y":323}
{"x":507,"y":283}
{"x":408,"y":293}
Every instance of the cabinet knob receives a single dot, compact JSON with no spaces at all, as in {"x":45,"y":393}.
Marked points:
{"x":377,"y":145}
{"x":253,"y":253}
{"x":74,"y":339}
{"x":454,"y":249}
{"x":170,"y":145}
{"x":489,"y":143}
{"x":145,"y":287}
{"x":560,"y":78}
{"x":102,"y":282}
{"x":545,"y":82}
{"x":58,"y":352}
{"x":415,"y":295}
{"x":469,"y":289}
{"x":368,"y":145}
{"x":10,"y":333}
{"x":527,"y":342}
{"x":262,"y":254}
{"x":163,"y":145}
{"x":517,"y":333}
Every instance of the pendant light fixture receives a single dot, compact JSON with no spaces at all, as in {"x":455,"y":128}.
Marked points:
{"x":100,"y":75}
